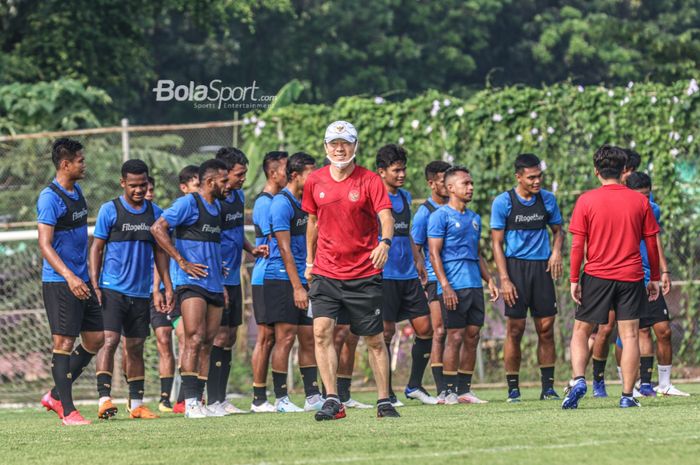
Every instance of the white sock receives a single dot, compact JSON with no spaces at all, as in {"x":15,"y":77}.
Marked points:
{"x":135,"y":403}
{"x":191,"y":402}
{"x":103,"y":400}
{"x":664,"y":375}
{"x":619,"y":373}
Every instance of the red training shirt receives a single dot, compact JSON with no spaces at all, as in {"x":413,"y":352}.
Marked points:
{"x":348,"y":229}
{"x":613,"y":220}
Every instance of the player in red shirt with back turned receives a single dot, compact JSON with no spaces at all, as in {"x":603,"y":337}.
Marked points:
{"x":608,"y":223}
{"x":345,"y":260}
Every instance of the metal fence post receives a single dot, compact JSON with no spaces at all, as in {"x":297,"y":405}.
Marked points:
{"x":125,"y":139}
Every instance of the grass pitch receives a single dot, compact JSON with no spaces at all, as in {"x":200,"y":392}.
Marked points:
{"x":663,"y":431}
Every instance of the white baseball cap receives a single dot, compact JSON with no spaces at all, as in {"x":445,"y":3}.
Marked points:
{"x":341,"y":130}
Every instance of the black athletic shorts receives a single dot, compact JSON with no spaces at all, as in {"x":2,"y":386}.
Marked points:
{"x":535,"y":289}
{"x":360,"y":300}
{"x":259,"y":304}
{"x":67,"y":314}
{"x":232,"y":315}
{"x":403,"y":300}
{"x":279,"y":298}
{"x":431,"y":291}
{"x":654,"y":312}
{"x":469,"y":312}
{"x":159,"y":319}
{"x":126,"y":315}
{"x":211,"y":298}
{"x":599,"y":296}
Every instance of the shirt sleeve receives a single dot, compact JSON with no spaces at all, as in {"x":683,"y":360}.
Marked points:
{"x":651,"y":226}
{"x":281,"y":213}
{"x":437,"y":225}
{"x":378,"y":194}
{"x":157,"y":211}
{"x":419,"y":226}
{"x":106,"y":218}
{"x":579,"y":220}
{"x":49,"y":208}
{"x":182,"y":212}
{"x":550,"y":204}
{"x":308,"y":203}
{"x":500,"y":209}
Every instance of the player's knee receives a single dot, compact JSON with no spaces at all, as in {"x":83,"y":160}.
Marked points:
{"x":323,"y":336}
{"x":376,"y":342}
{"x":663,"y":334}
{"x":453,"y":338}
{"x":546,"y":335}
{"x":286,"y":339}
{"x":515,"y":332}
{"x":439,"y":334}
{"x":195,"y":340}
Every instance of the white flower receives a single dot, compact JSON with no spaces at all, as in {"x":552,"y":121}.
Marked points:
{"x":447,"y":102}
{"x":580,"y":88}
{"x":459,"y":112}
{"x":497,"y":117}
{"x":622,"y":103}
{"x":534,"y":131}
{"x":633,"y":144}
{"x":670,"y":120}
{"x":674,"y":152}
{"x":630,"y":85}
{"x":519,"y":138}
{"x":401,"y":140}
{"x":434,"y":111}
{"x":653,"y":99}
{"x":675,"y":99}
{"x":626,"y":99}
{"x":378,"y":100}
{"x":436,"y":103}
{"x":415,"y":123}
{"x":611,"y":93}
{"x":257,"y":131}
{"x":246,"y":120}
{"x":254,"y":119}
{"x":651,"y":166}
{"x":549,"y":94}
{"x":533,"y":114}
{"x":550,"y":130}
{"x":428,"y":129}
{"x":692,"y":87}
{"x":543,"y":165}
{"x":261,"y":124}
{"x":540,"y":139}
{"x":690,"y":139}
{"x":511,"y":111}
{"x":555,"y":186}
{"x":447,"y":157}
{"x":391,"y":123}
{"x":676,"y":137}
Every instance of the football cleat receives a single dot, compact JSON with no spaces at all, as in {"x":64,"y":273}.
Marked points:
{"x":285,"y":405}
{"x":164,"y":406}
{"x":107,"y":410}
{"x":75,"y":419}
{"x":549,"y":394}
{"x":352,"y":403}
{"x":179,"y":407}
{"x":195,"y":412}
{"x":599,"y":388}
{"x":231,"y":409}
{"x":418,"y":393}
{"x":647,"y":390}
{"x":451,"y":398}
{"x":441,"y":398}
{"x":313,"y":403}
{"x":213,"y":410}
{"x":394,"y":401}
{"x":331,"y":410}
{"x":387,"y":411}
{"x":265,"y":407}
{"x":143,"y":412}
{"x":578,"y":390}
{"x":670,"y":390}
{"x":470,"y":398}
{"x":513,"y":396}
{"x":52,"y":404}
{"x":627,"y":402}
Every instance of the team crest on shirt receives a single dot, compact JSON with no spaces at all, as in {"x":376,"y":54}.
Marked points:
{"x":475,"y":225}
{"x":354,"y":195}
{"x":457,"y":225}
{"x":322,"y":194}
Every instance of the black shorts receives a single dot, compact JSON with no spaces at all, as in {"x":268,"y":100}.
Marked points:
{"x":654,"y":312}
{"x":403,"y":300}
{"x":431,"y":291}
{"x":279,"y":297}
{"x":599,"y":296}
{"x":68,"y":315}
{"x":259,"y":305}
{"x":535,"y":289}
{"x":360,"y":300}
{"x":126,"y":315}
{"x":160,"y":319}
{"x":469,"y":312}
{"x":188,"y":291}
{"x":232,"y":315}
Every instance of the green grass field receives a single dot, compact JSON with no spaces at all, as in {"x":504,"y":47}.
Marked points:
{"x":663,"y":431}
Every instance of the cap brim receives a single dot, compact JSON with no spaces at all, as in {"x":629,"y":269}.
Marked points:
{"x":350,"y":139}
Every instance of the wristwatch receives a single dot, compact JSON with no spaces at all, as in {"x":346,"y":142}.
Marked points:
{"x":387,"y":241}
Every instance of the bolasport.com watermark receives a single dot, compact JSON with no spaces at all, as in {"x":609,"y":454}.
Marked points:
{"x":213,"y":96}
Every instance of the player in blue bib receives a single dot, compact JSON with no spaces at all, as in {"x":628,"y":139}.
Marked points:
{"x":403,"y":275}
{"x":196,"y":219}
{"x":71,"y":304}
{"x":120,"y":270}
{"x":435,"y":177}
{"x":453,"y":234}
{"x":519,"y":221}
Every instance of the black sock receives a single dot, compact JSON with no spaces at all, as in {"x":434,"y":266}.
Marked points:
{"x":79,"y":359}
{"x":201,"y":383}
{"x":437,"y":375}
{"x":181,"y":391}
{"x":333,"y":397}
{"x":626,"y":394}
{"x":383,"y":401}
{"x":259,"y":395}
{"x":576,"y":378}
{"x":136,"y":388}
{"x":225,"y":372}
{"x":104,"y":384}
{"x":166,"y":387}
{"x":547,"y":377}
{"x":391,"y":389}
{"x":646,"y":368}
{"x":344,"y":388}
{"x":213,"y":380}
{"x":60,"y":369}
{"x":599,"y":369}
{"x":450,"y":382}
{"x":309,"y":375}
{"x":420,"y":355}
{"x":279,"y":382}
{"x":464,"y":382}
{"x":513,"y":380}
{"x":190,"y":386}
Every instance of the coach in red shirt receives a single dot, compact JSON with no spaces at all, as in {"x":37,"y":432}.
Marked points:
{"x":345,"y":260}
{"x":609,"y":223}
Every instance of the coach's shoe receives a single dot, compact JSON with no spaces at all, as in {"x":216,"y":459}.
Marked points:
{"x":52,"y":404}
{"x":441,"y":398}
{"x":578,"y":390}
{"x":513,"y":396}
{"x":75,"y":419}
{"x":179,"y":407}
{"x":599,"y":388}
{"x":387,"y":410}
{"x":419,"y":393}
{"x":627,"y":402}
{"x":451,"y":398}
{"x":195,"y":412}
{"x":107,"y":410}
{"x":470,"y":398}
{"x":231,"y":409}
{"x":285,"y":405}
{"x":549,"y":394}
{"x":265,"y":407}
{"x":670,"y":390}
{"x":313,"y":403}
{"x":394,"y":401}
{"x":647,"y":390}
{"x":332,"y":410}
{"x":143,"y":412}
{"x":352,"y":403}
{"x":164,"y":406}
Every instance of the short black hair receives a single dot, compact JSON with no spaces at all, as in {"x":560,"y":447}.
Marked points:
{"x":134,"y":167}
{"x":454,"y":170}
{"x":638,"y":180}
{"x":434,"y":168}
{"x":64,"y":149}
{"x":232,"y":156}
{"x":610,"y":161}
{"x":188,"y":173}
{"x":271,"y":157}
{"x":210,"y":166}
{"x":151,"y":181}
{"x":525,"y":160}
{"x":298,"y":162}
{"x":390,"y":154}
{"x":633,"y":160}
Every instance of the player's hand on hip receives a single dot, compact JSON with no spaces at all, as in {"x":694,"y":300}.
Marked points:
{"x":576,"y":293}
{"x":653,"y":290}
{"x":554,"y":265}
{"x":196,"y":270}
{"x":509,"y":292}
{"x":301,"y":298}
{"x":78,"y":287}
{"x":379,"y":255}
{"x":449,"y":297}
{"x":493,"y":291}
